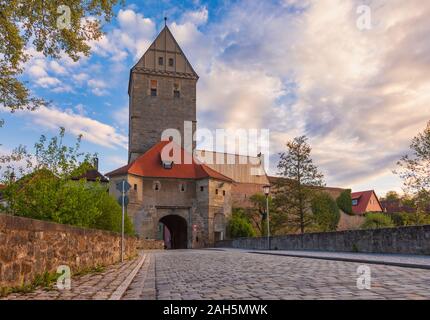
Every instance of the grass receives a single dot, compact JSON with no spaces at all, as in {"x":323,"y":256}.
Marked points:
{"x":46,"y":281}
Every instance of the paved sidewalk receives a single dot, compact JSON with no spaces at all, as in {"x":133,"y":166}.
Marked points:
{"x":400,"y":260}
{"x":94,"y":286}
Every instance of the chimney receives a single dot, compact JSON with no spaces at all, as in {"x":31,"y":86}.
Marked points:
{"x":96,"y":163}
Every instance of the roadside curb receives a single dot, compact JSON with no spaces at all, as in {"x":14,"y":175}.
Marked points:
{"x":119,"y":292}
{"x":387,"y":263}
{"x":345,"y":259}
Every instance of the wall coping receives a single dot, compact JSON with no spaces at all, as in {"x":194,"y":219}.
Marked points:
{"x":8,"y":221}
{"x":425,"y":226}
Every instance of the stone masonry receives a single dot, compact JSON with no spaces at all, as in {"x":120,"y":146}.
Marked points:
{"x":30,"y":247}
{"x":402,"y":240}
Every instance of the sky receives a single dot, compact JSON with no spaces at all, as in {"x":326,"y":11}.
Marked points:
{"x":295,"y":67}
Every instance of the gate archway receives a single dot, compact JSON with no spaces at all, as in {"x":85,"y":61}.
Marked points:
{"x":177,"y":227}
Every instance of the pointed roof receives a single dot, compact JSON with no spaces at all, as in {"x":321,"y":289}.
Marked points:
{"x":150,"y":165}
{"x":363,"y":198}
{"x":174,"y":61}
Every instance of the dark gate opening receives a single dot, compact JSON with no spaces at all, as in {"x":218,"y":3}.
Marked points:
{"x":178,"y":231}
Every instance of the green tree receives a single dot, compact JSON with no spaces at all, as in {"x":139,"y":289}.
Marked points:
{"x":239,"y":226}
{"x":344,"y":201}
{"x":294,"y":193}
{"x":414,"y":169}
{"x":34,"y":23}
{"x":257,"y":214}
{"x":391,"y":196}
{"x":377,"y":220}
{"x":325,"y":211}
{"x":39,"y":186}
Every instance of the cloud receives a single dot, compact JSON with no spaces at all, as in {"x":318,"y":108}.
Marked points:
{"x":305,"y":68}
{"x":92,"y":130}
{"x":197,"y":17}
{"x":133,"y":36}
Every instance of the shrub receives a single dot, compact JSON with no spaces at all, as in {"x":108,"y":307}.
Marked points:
{"x":344,"y":201}
{"x":325,"y":211}
{"x":239,"y":226}
{"x":377,"y":220}
{"x":41,"y":195}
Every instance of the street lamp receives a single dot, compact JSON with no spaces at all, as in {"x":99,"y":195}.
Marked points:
{"x":266,"y":190}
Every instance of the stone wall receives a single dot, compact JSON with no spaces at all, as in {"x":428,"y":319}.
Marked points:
{"x":402,"y":240}
{"x":151,"y":244}
{"x":30,"y":247}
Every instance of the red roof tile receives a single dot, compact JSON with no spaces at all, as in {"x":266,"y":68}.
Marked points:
{"x":363,"y":198}
{"x":2,"y":186}
{"x":149,"y":165}
{"x":92,"y":175}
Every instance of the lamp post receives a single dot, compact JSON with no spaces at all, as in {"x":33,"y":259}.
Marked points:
{"x":266,"y":190}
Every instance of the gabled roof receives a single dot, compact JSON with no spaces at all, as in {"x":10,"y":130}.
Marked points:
{"x":363,"y":198}
{"x":150,"y":165}
{"x":165,"y":46}
{"x":92,"y":175}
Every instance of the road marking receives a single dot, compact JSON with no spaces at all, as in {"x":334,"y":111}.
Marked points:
{"x":119,"y":292}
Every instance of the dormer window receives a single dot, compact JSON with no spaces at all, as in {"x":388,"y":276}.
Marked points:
{"x":160,"y":61}
{"x":355,"y":202}
{"x":167,"y":164}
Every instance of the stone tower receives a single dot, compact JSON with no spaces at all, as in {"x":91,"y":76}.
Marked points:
{"x":162,"y":95}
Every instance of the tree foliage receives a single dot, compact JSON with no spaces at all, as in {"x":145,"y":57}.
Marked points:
{"x":414,"y":169}
{"x":391,"y":196}
{"x":39,"y":186}
{"x":326,"y":212}
{"x":34,"y":23}
{"x":239,"y":225}
{"x":258,"y":215}
{"x":344,"y":201}
{"x":377,"y":220}
{"x":301,"y":179}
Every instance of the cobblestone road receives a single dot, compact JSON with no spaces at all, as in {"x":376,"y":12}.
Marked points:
{"x":207,"y":274}
{"x":210,"y":274}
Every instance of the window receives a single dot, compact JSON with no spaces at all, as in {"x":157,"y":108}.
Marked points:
{"x":202,"y":188}
{"x":176,"y":91}
{"x":154,"y":88}
{"x":160,"y":61}
{"x":216,"y":191}
{"x":171,"y":63}
{"x":182,"y":187}
{"x":156,"y":186}
{"x":223,"y":192}
{"x":354,"y":202}
{"x":135,"y":187}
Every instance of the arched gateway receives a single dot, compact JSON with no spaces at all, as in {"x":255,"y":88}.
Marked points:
{"x":175,"y":236}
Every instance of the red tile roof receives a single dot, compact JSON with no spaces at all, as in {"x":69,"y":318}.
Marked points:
{"x":149,"y":165}
{"x":92,"y":175}
{"x":2,"y":186}
{"x":363,"y":198}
